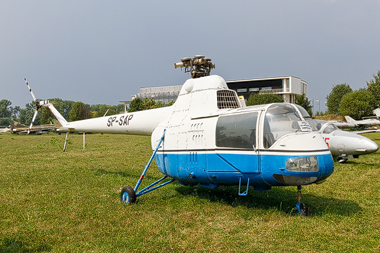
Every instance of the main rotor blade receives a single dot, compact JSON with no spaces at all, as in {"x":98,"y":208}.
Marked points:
{"x":34,"y":117}
{"x":31,"y":92}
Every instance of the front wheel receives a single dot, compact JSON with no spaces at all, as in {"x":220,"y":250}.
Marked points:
{"x":128,"y":195}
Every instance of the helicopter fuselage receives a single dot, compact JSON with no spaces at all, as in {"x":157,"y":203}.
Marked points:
{"x":211,"y":140}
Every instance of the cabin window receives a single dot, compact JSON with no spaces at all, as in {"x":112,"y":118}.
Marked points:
{"x":237,"y":131}
{"x":227,"y":99}
{"x":280,"y":119}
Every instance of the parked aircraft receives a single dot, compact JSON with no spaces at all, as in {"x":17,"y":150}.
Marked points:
{"x":5,"y":130}
{"x":41,"y":129}
{"x":208,"y":139}
{"x":342,"y":124}
{"x":345,"y":145}
{"x":18,"y":128}
{"x":363,"y":123}
{"x":377,"y":112}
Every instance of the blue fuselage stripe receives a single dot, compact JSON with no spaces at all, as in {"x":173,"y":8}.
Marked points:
{"x":226,"y":168}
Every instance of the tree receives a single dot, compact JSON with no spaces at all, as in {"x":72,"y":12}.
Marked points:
{"x":357,"y":104}
{"x":80,"y":111}
{"x":26,"y":115}
{"x":5,"y":109}
{"x":303,"y":101}
{"x":15,"y":112}
{"x":136,"y":105}
{"x":99,"y":110}
{"x":148,"y":104}
{"x":335,"y":96}
{"x":373,"y":86}
{"x":264,"y":98}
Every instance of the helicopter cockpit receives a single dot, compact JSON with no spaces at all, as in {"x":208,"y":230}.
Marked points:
{"x":240,"y":130}
{"x":283,"y":119}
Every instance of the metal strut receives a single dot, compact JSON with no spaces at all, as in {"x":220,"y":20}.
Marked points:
{"x":245,"y":193}
{"x":301,"y":208}
{"x":149,"y":187}
{"x":66,"y":140}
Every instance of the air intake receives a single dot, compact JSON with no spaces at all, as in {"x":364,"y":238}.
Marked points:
{"x":227,"y":99}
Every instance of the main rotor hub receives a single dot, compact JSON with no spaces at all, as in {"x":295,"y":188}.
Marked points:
{"x":199,"y":66}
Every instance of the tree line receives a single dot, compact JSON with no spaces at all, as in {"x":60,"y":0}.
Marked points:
{"x":70,"y":110}
{"x":342,"y":100}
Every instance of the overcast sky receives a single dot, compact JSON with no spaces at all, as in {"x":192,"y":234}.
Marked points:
{"x":101,"y":52}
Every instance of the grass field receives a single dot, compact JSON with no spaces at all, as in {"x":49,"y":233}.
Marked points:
{"x":70,"y":202}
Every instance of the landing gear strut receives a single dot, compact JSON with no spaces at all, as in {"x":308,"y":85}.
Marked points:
{"x":129,"y":194}
{"x":302,"y":209}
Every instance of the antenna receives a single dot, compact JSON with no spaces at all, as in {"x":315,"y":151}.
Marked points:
{"x":199,"y":66}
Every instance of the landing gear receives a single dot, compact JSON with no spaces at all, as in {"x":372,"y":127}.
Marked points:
{"x":341,"y":160}
{"x":128,"y":195}
{"x":302,"y":209}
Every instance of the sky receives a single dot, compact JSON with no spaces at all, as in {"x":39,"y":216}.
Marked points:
{"x":102,"y":52}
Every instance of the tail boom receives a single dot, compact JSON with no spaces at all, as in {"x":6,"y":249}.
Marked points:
{"x":140,"y":123}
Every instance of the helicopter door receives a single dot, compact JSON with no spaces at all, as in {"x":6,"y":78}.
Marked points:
{"x":236,"y":140}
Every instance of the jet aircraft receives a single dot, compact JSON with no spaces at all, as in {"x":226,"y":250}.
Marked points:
{"x":208,"y":139}
{"x":345,"y":145}
{"x":363,"y":123}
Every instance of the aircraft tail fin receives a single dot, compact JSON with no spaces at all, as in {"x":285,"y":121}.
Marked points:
{"x":349,"y":119}
{"x":38,"y":104}
{"x":377,"y":112}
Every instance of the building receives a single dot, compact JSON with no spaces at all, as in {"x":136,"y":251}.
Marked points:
{"x":288,"y":87}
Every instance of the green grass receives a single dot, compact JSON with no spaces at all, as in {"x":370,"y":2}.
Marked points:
{"x":70,"y":202}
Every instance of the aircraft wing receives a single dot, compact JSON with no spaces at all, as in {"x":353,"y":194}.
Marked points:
{"x":366,"y":131}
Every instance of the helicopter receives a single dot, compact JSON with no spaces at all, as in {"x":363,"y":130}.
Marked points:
{"x":208,"y":138}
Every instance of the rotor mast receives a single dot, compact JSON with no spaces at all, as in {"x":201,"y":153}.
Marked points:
{"x":198,"y":66}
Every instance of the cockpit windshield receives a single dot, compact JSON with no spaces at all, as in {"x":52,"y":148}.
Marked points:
{"x":307,"y":117}
{"x":330,"y":127}
{"x":280,"y":119}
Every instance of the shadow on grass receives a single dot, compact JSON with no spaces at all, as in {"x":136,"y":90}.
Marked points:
{"x":280,"y":198}
{"x":99,"y":172}
{"x":16,"y":245}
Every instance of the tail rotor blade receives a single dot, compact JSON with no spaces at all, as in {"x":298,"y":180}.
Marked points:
{"x":34,"y":117}
{"x":31,"y":92}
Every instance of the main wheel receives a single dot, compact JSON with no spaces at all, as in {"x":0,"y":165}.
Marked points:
{"x":341,"y":160}
{"x":128,"y":195}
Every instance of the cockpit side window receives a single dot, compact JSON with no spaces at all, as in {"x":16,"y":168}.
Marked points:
{"x":237,"y":131}
{"x":280,"y":119}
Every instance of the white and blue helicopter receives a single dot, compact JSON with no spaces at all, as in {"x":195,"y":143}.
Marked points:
{"x":208,"y":138}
